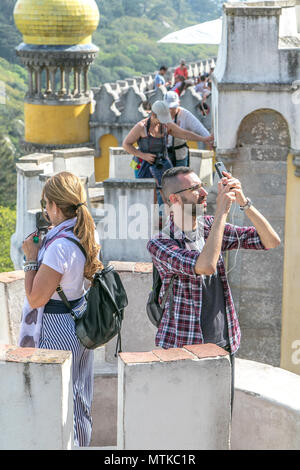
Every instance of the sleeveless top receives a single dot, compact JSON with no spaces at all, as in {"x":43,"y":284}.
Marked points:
{"x":150,"y":144}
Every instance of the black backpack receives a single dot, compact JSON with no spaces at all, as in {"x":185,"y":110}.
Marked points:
{"x":153,"y":308}
{"x":106,"y":300}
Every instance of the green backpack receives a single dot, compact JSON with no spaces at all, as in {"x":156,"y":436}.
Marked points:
{"x":106,"y":301}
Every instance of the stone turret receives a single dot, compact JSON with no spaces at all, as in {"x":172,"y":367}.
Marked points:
{"x":57,"y":52}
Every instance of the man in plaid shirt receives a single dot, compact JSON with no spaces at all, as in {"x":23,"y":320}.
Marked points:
{"x":202,"y":307}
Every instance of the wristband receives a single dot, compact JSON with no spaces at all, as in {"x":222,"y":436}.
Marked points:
{"x":31,"y":267}
{"x":247,"y":205}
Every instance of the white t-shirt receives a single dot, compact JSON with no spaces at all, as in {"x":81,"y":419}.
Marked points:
{"x":186,"y":120}
{"x":67,"y":259}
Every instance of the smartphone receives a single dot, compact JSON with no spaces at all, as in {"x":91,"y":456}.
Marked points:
{"x":220,"y":167}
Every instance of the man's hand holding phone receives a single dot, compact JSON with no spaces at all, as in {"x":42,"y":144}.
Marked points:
{"x":235,"y":186}
{"x":226,"y":196}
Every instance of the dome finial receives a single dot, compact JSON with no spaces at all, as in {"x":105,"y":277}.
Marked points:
{"x":56,"y":22}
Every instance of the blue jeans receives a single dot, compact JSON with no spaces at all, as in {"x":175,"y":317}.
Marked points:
{"x":151,"y":171}
{"x":157,"y":175}
{"x":183,"y":162}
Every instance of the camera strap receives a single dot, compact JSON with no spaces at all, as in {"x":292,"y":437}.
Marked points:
{"x":177,"y":147}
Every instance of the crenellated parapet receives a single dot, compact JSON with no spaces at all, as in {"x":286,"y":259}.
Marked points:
{"x":118,"y":106}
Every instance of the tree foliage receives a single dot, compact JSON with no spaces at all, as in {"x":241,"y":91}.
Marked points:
{"x":8,"y":177}
{"x":7,"y":228}
{"x":131,"y":29}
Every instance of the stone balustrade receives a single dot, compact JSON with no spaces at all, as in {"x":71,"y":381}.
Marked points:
{"x":57,"y":74}
{"x":120,"y":105}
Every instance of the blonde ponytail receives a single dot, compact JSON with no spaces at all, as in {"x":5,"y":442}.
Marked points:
{"x":68,"y":193}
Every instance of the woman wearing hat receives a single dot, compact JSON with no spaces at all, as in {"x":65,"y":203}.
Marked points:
{"x":56,"y":261}
{"x":151,"y":135}
{"x":178,"y":149}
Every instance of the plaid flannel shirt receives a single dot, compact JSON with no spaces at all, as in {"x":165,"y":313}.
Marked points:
{"x":171,"y":258}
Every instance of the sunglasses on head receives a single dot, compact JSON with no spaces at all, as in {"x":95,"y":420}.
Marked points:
{"x":43,"y":203}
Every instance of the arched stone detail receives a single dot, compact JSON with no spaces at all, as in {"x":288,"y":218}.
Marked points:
{"x":260,"y":162}
{"x":266,"y":132}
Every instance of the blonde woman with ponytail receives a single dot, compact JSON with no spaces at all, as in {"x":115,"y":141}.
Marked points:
{"x":57,"y":261}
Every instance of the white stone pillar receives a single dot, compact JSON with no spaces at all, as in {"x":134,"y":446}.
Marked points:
{"x":128,"y":219}
{"x":28,"y":203}
{"x":119,"y":163}
{"x":79,"y":161}
{"x":201,"y":162}
{"x":174,"y":399}
{"x":36,"y":399}
{"x":12,"y":293}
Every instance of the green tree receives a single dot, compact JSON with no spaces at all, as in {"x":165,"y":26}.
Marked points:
{"x":7,"y":227}
{"x":8,"y":177}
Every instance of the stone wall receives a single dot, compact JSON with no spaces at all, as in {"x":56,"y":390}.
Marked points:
{"x":174,"y":399}
{"x":36,"y":399}
{"x":266,"y":405}
{"x":266,"y":413}
{"x":256,"y":88}
{"x":257,"y":279}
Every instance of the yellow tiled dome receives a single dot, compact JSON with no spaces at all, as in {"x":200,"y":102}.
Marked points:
{"x":56,"y":22}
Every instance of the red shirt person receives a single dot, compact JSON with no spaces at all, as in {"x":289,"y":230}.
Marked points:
{"x":181,"y":70}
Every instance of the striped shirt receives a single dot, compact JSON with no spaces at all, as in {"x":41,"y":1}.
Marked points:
{"x":171,"y":258}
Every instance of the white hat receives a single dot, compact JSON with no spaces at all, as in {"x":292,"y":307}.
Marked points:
{"x":161,"y":109}
{"x":172,"y":99}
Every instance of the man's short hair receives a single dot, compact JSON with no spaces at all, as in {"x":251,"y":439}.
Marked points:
{"x":169,"y":181}
{"x":163,"y":67}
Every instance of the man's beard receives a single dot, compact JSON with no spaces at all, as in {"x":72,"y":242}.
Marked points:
{"x":191,"y":212}
{"x":194,"y":209}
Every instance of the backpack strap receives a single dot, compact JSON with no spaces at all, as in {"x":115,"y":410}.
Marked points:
{"x":78,"y":244}
{"x":63,"y":297}
{"x":169,"y":290}
{"x":59,"y":290}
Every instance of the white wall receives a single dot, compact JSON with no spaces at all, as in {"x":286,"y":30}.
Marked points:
{"x":174,"y":399}
{"x":239,"y":104}
{"x":12,"y":292}
{"x":36,"y":399}
{"x":266,"y":413}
